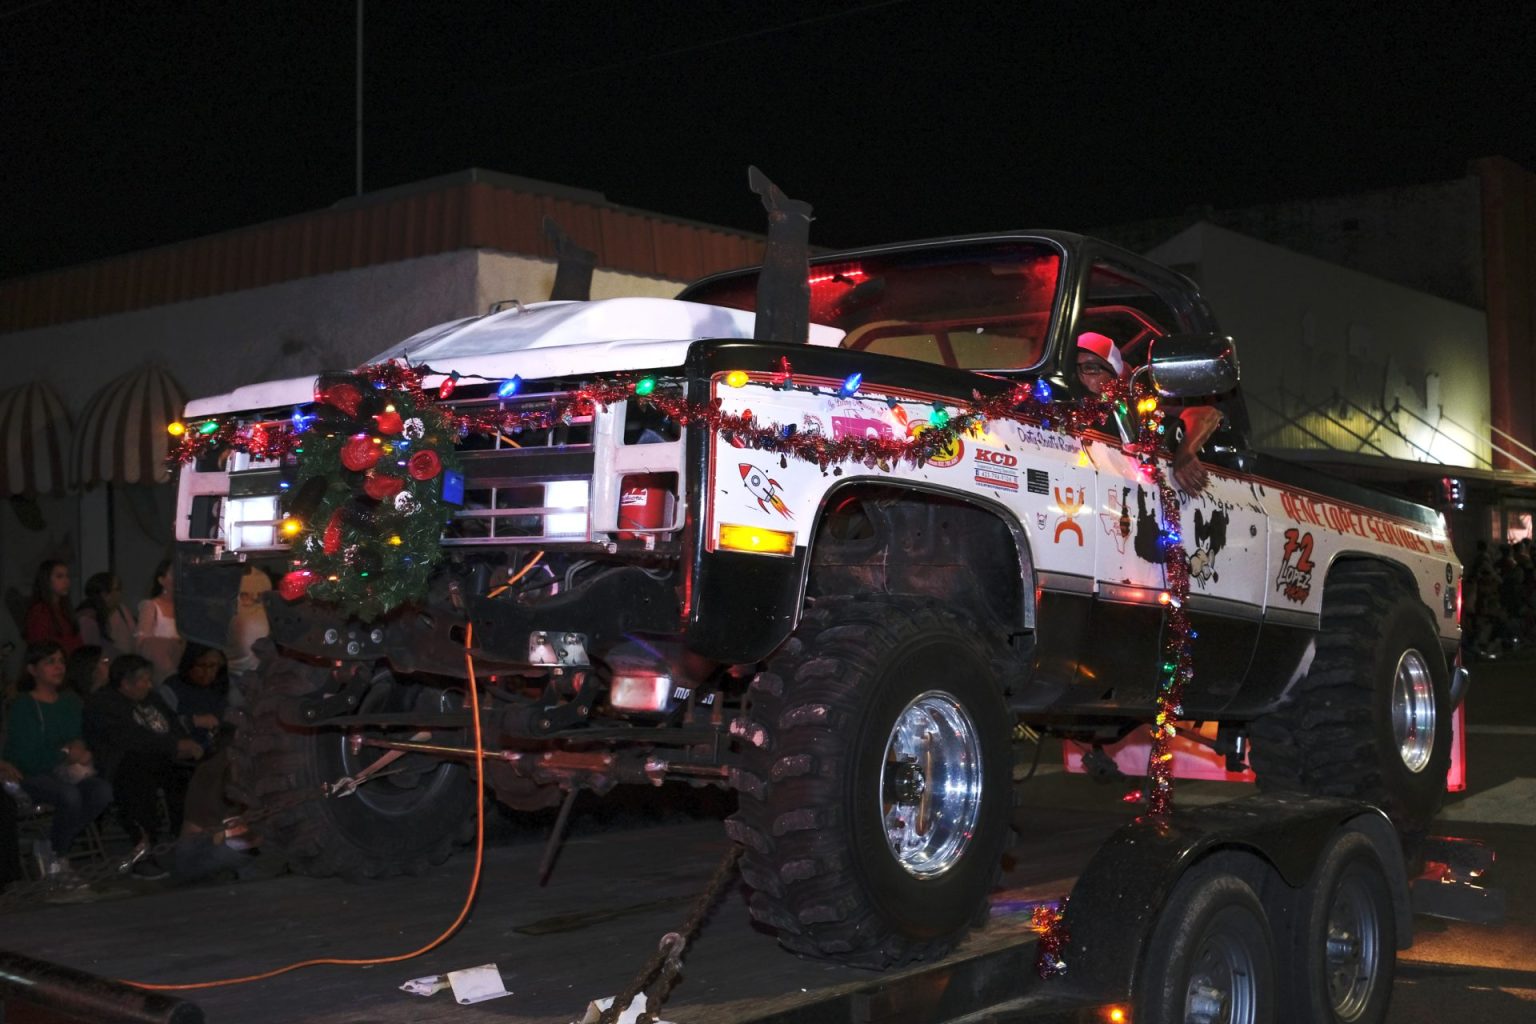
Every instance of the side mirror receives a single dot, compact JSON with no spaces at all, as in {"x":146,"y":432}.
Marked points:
{"x":1193,"y":365}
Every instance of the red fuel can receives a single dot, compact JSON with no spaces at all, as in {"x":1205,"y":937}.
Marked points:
{"x":645,"y":503}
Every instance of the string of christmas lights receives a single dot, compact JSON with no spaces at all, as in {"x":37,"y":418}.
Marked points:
{"x":946,"y":421}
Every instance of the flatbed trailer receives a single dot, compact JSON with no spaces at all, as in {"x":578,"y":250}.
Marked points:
{"x":614,"y":895}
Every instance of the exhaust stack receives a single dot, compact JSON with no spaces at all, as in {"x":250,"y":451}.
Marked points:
{"x":783,"y":286}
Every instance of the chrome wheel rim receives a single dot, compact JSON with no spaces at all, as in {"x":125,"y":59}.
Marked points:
{"x":1222,"y":988}
{"x":1413,"y":711}
{"x":1352,"y":949}
{"x":930,"y":784}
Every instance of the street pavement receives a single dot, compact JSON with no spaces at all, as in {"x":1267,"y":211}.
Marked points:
{"x":1486,"y":973}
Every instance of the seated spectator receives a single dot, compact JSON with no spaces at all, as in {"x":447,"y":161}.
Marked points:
{"x":143,"y":748}
{"x":10,"y":832}
{"x":43,"y":740}
{"x":87,"y":670}
{"x":103,"y":619}
{"x":249,"y":623}
{"x":49,"y":616}
{"x":158,"y":638}
{"x":200,"y":694}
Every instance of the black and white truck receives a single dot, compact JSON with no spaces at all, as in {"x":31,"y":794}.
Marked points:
{"x":850,"y":641}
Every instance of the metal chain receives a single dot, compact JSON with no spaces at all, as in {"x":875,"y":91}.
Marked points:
{"x":667,"y":962}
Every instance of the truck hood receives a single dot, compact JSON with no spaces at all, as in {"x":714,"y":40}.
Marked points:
{"x":545,"y":339}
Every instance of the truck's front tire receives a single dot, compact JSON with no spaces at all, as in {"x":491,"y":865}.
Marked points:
{"x":398,"y":824}
{"x":1372,"y":718}
{"x":874,"y":793}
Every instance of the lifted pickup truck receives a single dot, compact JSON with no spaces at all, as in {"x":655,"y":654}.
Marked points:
{"x":845,"y":640}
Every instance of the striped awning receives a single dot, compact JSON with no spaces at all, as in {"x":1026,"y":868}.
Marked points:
{"x":122,"y":438}
{"x":34,"y":440}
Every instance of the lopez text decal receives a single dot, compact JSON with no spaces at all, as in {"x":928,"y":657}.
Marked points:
{"x":1295,"y":577}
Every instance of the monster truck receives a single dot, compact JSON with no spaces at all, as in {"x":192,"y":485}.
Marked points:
{"x":848,"y":643}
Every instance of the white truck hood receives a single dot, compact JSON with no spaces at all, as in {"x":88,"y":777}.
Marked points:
{"x":545,"y":339}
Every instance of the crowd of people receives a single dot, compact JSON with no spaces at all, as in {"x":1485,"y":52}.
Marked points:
{"x":118,"y":710}
{"x":1498,"y":596}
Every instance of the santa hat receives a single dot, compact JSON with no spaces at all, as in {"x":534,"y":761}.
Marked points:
{"x":1103,"y":347}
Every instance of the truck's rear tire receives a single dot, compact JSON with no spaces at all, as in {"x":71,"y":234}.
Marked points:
{"x":1372,"y":718}
{"x":874,"y":794}
{"x":1210,"y":956}
{"x":1337,"y":937}
{"x":401,"y":823}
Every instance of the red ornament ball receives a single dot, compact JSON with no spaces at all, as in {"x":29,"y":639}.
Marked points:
{"x":382,"y":486}
{"x":424,"y":465}
{"x":344,"y":396}
{"x":390,"y":422}
{"x":330,"y":541}
{"x":296,"y":584}
{"x":359,"y":453}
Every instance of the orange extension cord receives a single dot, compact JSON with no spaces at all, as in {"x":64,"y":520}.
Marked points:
{"x":474,"y":881}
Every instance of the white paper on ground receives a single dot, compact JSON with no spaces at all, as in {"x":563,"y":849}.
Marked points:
{"x":477,"y":984}
{"x":636,"y":1007}
{"x":428,"y":986}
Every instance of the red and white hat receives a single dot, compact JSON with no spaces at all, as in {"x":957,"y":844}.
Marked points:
{"x":1104,"y":347}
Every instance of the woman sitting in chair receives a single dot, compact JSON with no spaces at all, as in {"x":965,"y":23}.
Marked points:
{"x":43,"y":741}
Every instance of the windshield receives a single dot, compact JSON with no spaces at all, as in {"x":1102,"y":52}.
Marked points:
{"x":973,"y":305}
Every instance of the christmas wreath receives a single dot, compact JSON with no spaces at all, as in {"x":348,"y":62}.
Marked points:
{"x":368,"y":501}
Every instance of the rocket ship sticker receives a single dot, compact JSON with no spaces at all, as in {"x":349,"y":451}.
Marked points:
{"x":765,"y":489}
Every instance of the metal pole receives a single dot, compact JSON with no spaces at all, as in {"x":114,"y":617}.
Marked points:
{"x":359,"y":97}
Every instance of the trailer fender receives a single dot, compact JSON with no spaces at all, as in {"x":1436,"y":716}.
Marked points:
{"x":1268,"y":838}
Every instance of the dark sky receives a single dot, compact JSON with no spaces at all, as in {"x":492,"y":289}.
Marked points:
{"x":126,"y":125}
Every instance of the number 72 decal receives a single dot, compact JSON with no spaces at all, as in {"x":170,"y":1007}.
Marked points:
{"x":1294,"y":579}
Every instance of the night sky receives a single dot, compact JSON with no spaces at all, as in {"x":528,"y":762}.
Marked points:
{"x":127,"y":125}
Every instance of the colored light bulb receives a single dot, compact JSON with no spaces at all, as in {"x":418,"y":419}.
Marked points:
{"x":851,"y":385}
{"x":510,"y":387}
{"x":645,"y":385}
{"x":736,"y":379}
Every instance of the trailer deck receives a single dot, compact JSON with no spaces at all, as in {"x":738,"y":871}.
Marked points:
{"x":581,"y":937}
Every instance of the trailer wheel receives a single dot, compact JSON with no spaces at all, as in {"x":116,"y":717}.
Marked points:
{"x":1210,"y":959}
{"x":400,"y":823}
{"x":1372,"y":719}
{"x":1337,"y":937}
{"x":874,"y":794}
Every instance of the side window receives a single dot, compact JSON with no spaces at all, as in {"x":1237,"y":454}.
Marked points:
{"x":1119,"y":303}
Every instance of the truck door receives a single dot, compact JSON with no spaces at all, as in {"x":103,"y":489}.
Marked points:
{"x":1223,"y":530}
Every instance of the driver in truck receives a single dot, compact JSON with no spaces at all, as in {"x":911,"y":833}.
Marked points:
{"x":1098,"y":360}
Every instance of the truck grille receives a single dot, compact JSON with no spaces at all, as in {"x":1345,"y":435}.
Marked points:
{"x":524,"y":486}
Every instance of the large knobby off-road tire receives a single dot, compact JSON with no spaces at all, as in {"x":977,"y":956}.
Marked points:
{"x":400,"y":823}
{"x":1371,"y":719}
{"x":1211,"y":954}
{"x":874,"y":795}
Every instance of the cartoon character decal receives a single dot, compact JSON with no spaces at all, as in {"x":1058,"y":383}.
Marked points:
{"x":1070,"y":505}
{"x":1295,"y":577}
{"x":1210,"y":538}
{"x":765,"y":489}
